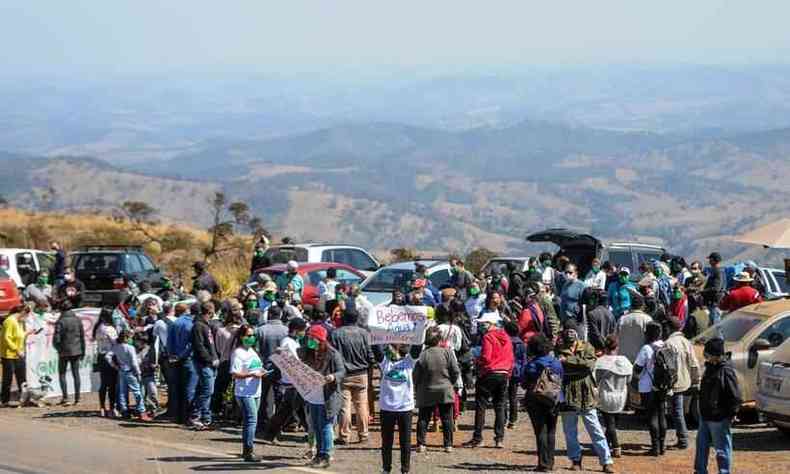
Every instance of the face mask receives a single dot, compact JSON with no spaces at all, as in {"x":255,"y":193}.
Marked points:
{"x":623,"y":279}
{"x":259,"y":253}
{"x":596,"y":269}
{"x":547,"y":263}
{"x":678,"y":294}
{"x":42,"y":281}
{"x":473,"y":292}
{"x":300,"y":339}
{"x":248,"y":341}
{"x":252,"y":304}
{"x":312,"y":344}
{"x":392,"y":354}
{"x":269,"y":296}
{"x":569,"y":337}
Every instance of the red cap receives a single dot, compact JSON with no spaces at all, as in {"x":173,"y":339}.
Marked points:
{"x":418,"y":283}
{"x":317,"y":332}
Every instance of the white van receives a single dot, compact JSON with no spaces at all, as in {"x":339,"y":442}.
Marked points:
{"x":773,"y":384}
{"x":24,"y":265}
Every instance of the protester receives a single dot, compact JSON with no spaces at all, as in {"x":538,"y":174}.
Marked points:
{"x":12,"y":350}
{"x":581,"y":397}
{"x":612,"y":374}
{"x":435,"y":374}
{"x":106,"y":337}
{"x":123,"y":358}
{"x":631,"y":328}
{"x":688,"y":375}
{"x":326,"y":288}
{"x":679,"y":308}
{"x":246,"y":369}
{"x":571,"y":295}
{"x":620,"y":293}
{"x":146,"y":353}
{"x":206,"y":361}
{"x":203,"y":280}
{"x":353,"y":343}
{"x":59,"y":267}
{"x":461,"y":278}
{"x":70,"y":291}
{"x":224,"y":338}
{"x":596,"y":277}
{"x":269,"y":337}
{"x":494,"y":367}
{"x":722,"y":397}
{"x":69,"y":341}
{"x":516,"y":374}
{"x":396,"y":402}
{"x":652,"y":398}
{"x":542,"y":414}
{"x":715,"y":287}
{"x":600,"y":320}
{"x":179,"y":343}
{"x":743,"y":294}
{"x":290,"y":282}
{"x":531,"y":319}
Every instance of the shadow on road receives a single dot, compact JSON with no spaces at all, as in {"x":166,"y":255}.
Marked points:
{"x":225,"y":464}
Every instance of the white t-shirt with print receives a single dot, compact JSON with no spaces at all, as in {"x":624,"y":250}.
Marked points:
{"x":646,"y":360}
{"x":246,"y":361}
{"x":289,"y":344}
{"x":397,"y":393}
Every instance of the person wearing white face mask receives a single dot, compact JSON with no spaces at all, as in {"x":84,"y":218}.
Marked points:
{"x":71,"y":290}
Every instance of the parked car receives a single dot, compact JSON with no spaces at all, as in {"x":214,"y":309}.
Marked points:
{"x":581,"y":249}
{"x":773,"y":282}
{"x":751,"y":334}
{"x":355,"y":257}
{"x":378,"y":287}
{"x":501,"y":263}
{"x":24,"y":265}
{"x":102,"y":269}
{"x":9,"y":294}
{"x":773,"y":384}
{"x":312,"y":274}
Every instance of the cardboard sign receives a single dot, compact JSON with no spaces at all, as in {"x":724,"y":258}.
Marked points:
{"x":398,"y":324}
{"x":306,"y":381}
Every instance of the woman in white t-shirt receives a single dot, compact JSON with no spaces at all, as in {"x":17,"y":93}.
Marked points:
{"x":396,"y":402}
{"x":654,"y":401}
{"x":247,"y":370}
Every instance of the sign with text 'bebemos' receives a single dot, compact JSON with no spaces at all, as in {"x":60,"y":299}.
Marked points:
{"x":306,"y":381}
{"x":398,"y":324}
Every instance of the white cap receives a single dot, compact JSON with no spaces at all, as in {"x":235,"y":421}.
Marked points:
{"x":625,"y":270}
{"x":292,"y":265}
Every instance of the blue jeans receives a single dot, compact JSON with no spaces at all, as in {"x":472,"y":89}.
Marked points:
{"x":714,"y":313}
{"x":324,"y":429}
{"x":570,"y":426}
{"x":679,"y":419}
{"x":201,"y":408}
{"x":249,"y":413}
{"x":718,"y":435}
{"x":127,"y":381}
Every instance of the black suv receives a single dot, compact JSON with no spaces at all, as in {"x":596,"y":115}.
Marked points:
{"x":102,"y":268}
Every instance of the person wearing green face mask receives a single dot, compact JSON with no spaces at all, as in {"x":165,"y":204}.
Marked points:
{"x":40,"y":291}
{"x":595,"y":278}
{"x":247,"y":372}
{"x":619,"y":293}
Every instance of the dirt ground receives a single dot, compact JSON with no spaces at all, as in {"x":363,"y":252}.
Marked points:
{"x":758,"y":448}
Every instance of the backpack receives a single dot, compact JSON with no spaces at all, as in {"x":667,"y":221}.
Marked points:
{"x":547,"y":389}
{"x":665,"y":368}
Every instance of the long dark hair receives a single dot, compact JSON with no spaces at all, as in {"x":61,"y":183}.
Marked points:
{"x":105,"y":317}
{"x":240,"y":333}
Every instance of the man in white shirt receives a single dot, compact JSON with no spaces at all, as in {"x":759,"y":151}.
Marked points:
{"x":689,"y":374}
{"x":595,"y":278}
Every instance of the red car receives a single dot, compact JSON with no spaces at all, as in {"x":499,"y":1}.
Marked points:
{"x":9,"y":295}
{"x":312,"y":274}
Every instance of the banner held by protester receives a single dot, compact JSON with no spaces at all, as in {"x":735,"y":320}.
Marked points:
{"x":306,"y":381}
{"x":398,"y":324}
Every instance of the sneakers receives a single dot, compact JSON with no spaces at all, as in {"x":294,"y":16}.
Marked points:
{"x":196,"y":425}
{"x":448,"y":449}
{"x":309,"y":454}
{"x":577,"y":466}
{"x":617,"y":452}
{"x":364,"y":439}
{"x":145,"y":417}
{"x":682,"y":446}
{"x":341,"y":442}
{"x":609,"y":468}
{"x":249,"y":456}
{"x":475,"y":443}
{"x":421,"y":448}
{"x":498,"y":444}
{"x":321,"y":462}
{"x":64,"y":402}
{"x":510,"y":425}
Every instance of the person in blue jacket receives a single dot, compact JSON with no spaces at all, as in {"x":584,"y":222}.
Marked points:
{"x":519,"y":362}
{"x":619,"y":293}
{"x":544,"y":420}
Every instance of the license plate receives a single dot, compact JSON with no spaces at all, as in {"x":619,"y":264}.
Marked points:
{"x":91,"y":298}
{"x":773,"y":385}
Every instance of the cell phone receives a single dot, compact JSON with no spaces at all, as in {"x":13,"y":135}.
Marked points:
{"x":38,"y":331}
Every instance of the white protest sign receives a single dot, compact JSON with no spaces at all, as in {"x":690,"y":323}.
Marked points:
{"x":42,"y":358}
{"x":398,"y":324}
{"x":306,"y":381}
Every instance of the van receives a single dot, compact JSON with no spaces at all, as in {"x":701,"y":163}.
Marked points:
{"x":773,"y":385}
{"x":24,"y":265}
{"x":582,"y":248}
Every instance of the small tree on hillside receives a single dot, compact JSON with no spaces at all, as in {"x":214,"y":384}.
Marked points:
{"x":141,"y":216}
{"x":227,"y":219}
{"x":403,"y":255}
{"x":478,"y":257}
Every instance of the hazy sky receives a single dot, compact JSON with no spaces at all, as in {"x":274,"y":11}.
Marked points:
{"x":89,"y":36}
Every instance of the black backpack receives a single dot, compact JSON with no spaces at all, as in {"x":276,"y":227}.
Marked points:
{"x":665,"y":368}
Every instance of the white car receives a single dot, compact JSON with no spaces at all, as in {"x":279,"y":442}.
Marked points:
{"x":773,"y":384}
{"x":350,"y":255}
{"x":24,"y":265}
{"x":378,"y":288}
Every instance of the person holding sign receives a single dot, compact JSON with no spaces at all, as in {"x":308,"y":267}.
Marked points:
{"x":320,"y":356}
{"x":247,"y":372}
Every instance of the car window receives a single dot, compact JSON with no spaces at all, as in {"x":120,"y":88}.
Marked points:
{"x":24,"y":259}
{"x":146,"y":263}
{"x":621,"y":258}
{"x":781,"y":282}
{"x":387,"y":279}
{"x":648,"y":256}
{"x":732,"y":328}
{"x":346,"y":276}
{"x":133,"y":265}
{"x":439,"y":278}
{"x":361,"y":261}
{"x":327,"y":256}
{"x":284,"y":254}
{"x":105,"y":263}
{"x":777,"y":332}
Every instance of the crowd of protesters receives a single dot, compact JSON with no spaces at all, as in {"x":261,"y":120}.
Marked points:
{"x":546,"y":340}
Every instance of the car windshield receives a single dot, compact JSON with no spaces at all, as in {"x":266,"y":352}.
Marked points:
{"x":780,"y":280}
{"x":98,"y":262}
{"x":284,"y":254}
{"x":731,"y":329}
{"x":388,"y":279}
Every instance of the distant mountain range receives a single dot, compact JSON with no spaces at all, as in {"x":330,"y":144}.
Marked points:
{"x":384,"y":184}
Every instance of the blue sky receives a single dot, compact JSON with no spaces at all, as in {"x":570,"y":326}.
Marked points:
{"x":90,"y":36}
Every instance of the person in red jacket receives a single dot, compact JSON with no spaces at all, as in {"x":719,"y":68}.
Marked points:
{"x":493,"y":368}
{"x":742,"y":295}
{"x":531,"y":320}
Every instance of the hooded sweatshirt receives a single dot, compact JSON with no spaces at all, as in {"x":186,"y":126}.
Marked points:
{"x":496,"y":354}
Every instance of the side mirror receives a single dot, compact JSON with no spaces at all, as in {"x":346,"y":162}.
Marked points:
{"x":761,"y":345}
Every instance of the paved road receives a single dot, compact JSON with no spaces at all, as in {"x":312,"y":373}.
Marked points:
{"x":34,"y":447}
